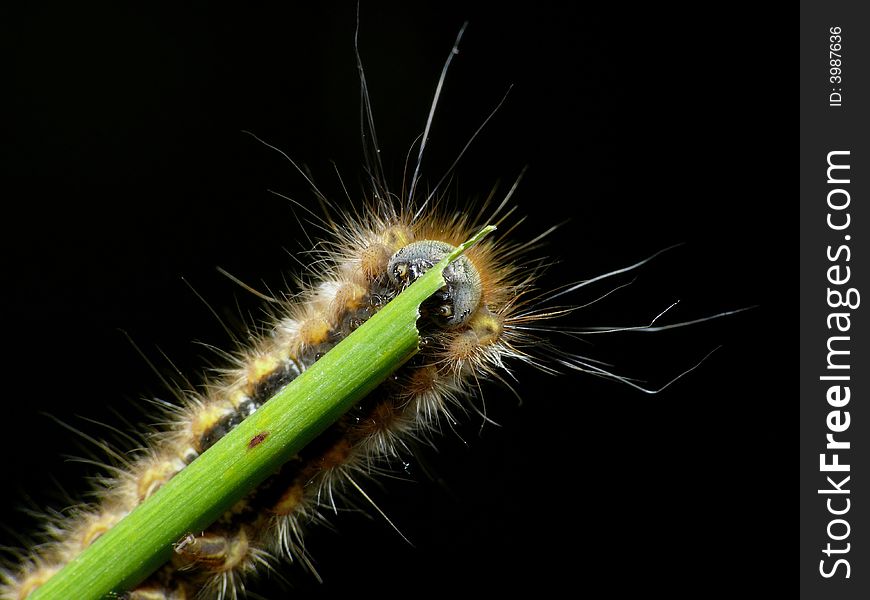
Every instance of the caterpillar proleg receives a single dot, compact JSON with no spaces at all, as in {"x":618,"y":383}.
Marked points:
{"x":501,"y":495}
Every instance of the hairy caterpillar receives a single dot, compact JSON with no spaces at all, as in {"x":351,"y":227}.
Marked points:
{"x":214,"y":225}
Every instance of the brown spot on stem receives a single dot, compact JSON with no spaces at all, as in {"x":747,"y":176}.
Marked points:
{"x":257,"y":439}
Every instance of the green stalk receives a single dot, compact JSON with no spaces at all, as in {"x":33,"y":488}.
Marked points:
{"x":256,"y":448}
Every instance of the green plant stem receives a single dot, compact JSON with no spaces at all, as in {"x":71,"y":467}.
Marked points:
{"x":256,"y":448}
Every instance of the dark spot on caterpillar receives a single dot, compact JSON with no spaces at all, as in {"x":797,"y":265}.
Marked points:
{"x":257,"y":439}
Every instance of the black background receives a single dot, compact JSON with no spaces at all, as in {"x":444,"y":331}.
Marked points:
{"x":125,"y":170}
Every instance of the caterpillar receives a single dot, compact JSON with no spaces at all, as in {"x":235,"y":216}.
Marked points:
{"x":569,"y":274}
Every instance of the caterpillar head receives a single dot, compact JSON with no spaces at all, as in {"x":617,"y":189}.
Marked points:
{"x":459,"y":299}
